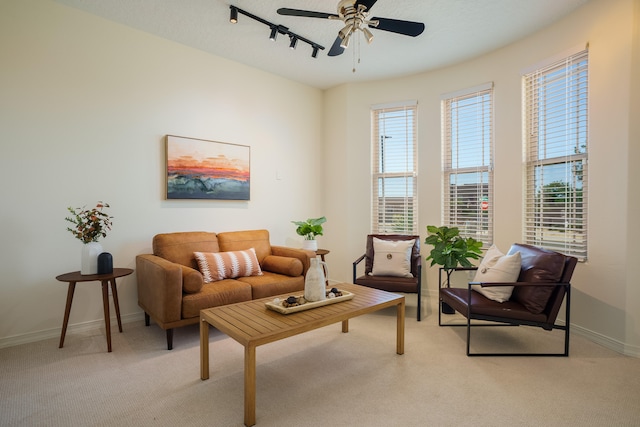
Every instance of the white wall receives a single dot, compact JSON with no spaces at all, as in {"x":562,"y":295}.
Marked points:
{"x":84,"y":107}
{"x":632,"y":318}
{"x":605,"y":297}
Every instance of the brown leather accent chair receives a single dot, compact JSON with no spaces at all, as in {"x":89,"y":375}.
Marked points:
{"x":391,"y":283}
{"x":542,"y":285}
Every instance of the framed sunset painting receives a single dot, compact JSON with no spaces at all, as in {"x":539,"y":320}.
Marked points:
{"x":201,"y":169}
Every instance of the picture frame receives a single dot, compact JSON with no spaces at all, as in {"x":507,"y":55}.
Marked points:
{"x":207,"y":170}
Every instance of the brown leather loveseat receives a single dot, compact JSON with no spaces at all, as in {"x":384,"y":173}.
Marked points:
{"x":172,"y":289}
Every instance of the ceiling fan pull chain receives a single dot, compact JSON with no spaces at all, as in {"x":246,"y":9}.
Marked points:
{"x":356,"y":48}
{"x":353,"y":60}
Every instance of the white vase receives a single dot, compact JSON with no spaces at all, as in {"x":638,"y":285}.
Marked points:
{"x":90,"y":252}
{"x":310,"y":245}
{"x":314,"y":281}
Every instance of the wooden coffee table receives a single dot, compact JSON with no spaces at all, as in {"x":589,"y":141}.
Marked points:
{"x":252,"y":324}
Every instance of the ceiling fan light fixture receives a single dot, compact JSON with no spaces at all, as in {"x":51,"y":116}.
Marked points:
{"x":367,"y":34}
{"x":345,"y":41}
{"x":233,"y":17}
{"x":355,"y":16}
{"x":346,"y":31}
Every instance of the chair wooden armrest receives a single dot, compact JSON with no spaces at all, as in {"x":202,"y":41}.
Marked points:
{"x":355,"y":264}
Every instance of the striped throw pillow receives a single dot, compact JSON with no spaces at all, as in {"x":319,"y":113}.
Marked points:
{"x":216,"y":266}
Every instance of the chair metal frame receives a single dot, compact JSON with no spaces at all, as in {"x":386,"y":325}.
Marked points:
{"x":551,"y":324}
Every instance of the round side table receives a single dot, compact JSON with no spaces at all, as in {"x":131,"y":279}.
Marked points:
{"x":322,"y":253}
{"x":105,"y":279}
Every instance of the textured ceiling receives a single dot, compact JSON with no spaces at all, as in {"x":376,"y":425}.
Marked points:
{"x":456,"y":30}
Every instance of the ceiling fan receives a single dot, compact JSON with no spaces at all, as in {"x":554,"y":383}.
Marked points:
{"x":355,"y":15}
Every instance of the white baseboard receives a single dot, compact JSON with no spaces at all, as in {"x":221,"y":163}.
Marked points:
{"x":605,"y":341}
{"x":55,"y":332}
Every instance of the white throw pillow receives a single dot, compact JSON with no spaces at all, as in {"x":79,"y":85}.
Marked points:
{"x":392,"y":257}
{"x":497,"y":267}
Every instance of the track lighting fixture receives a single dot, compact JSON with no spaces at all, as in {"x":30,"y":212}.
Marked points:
{"x":233,"y":18}
{"x":275,"y":29}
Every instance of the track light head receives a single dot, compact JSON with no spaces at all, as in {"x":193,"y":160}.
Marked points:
{"x":274,"y":33}
{"x":294,"y":42}
{"x":233,"y":18}
{"x":314,"y":54}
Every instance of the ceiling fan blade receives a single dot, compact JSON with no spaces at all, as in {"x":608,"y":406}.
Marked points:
{"x":305,"y":13}
{"x":408,"y":28}
{"x":336,"y":49}
{"x":367,"y":3}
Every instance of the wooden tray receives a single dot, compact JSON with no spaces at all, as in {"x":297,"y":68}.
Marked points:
{"x":308,"y":305}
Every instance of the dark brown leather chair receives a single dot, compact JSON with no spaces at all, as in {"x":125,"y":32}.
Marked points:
{"x":542,"y":285}
{"x":392,"y":283}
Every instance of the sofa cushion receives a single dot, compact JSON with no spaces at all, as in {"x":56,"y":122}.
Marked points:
{"x":216,"y":266}
{"x":179,"y":247}
{"x":228,"y":291}
{"x":538,"y":265}
{"x":192,"y":280}
{"x":283,"y":265}
{"x":498,"y":268}
{"x":392,"y":257}
{"x":270,"y":284}
{"x":243,"y":240}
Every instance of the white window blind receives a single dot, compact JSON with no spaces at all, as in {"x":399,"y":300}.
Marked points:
{"x":556,"y":155}
{"x":394,"y":169}
{"x":467,"y":162}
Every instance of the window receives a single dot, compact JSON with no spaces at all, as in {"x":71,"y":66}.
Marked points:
{"x":556,"y":143}
{"x":467,"y":162}
{"x":394,"y":169}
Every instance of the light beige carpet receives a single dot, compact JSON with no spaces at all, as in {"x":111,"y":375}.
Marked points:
{"x":322,"y":378}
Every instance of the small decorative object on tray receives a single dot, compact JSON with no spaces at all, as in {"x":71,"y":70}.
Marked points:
{"x":293,"y":303}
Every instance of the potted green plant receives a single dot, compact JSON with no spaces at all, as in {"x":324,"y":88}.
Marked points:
{"x":451,"y":250}
{"x":309,"y":229}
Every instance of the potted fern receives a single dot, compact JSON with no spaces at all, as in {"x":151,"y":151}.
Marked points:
{"x":451,"y":250}
{"x":309,"y":229}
